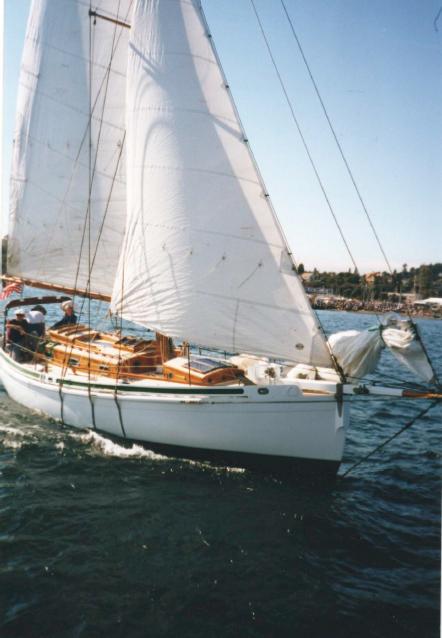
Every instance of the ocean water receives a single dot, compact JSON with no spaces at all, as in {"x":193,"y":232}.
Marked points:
{"x":104,"y":539}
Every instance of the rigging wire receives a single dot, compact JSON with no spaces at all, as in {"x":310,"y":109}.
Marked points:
{"x":352,"y":178}
{"x":320,"y":326}
{"x":382,"y":445}
{"x":117,"y":403}
{"x":117,"y":165}
{"x":303,"y":140}
{"x":104,"y":84}
{"x":81,"y":145}
{"x":344,"y":158}
{"x":335,"y":137}
{"x":92,"y":170}
{"x":87,"y":222}
{"x":335,"y":363}
{"x":89,"y":206}
{"x":100,"y":232}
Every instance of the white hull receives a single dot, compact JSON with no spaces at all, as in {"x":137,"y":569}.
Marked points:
{"x":234,"y":421}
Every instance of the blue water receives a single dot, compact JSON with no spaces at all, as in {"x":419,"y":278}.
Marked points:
{"x":101,"y":539}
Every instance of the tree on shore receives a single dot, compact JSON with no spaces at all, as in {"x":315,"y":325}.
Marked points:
{"x":425,"y":281}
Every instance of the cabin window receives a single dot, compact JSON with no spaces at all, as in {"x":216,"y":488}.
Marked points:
{"x":73,"y":362}
{"x":205,"y":364}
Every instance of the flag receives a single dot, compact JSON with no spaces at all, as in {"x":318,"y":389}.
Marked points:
{"x":16,"y":286}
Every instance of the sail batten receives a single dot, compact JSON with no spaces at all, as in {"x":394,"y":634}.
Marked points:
{"x":203,"y":258}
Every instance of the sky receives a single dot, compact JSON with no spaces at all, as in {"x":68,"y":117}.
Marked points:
{"x":378,"y":66}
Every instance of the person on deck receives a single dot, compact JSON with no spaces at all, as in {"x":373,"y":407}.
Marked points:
{"x":69,"y":315}
{"x":36,"y":328}
{"x":16,"y":336}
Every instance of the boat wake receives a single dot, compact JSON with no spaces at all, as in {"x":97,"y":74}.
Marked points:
{"x":12,"y":438}
{"x":106,"y":447}
{"x":99,"y":445}
{"x":205,"y":465}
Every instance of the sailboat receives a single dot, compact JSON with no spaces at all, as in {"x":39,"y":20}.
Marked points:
{"x":133,"y":182}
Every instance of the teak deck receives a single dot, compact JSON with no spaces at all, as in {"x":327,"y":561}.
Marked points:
{"x":83,"y":350}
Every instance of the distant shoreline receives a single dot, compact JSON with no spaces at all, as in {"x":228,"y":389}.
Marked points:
{"x":379,"y":312}
{"x":375,"y":308}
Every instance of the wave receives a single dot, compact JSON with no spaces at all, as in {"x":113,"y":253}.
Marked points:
{"x":106,"y":447}
{"x":12,"y":438}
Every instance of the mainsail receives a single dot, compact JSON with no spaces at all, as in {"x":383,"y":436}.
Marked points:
{"x":68,"y":192}
{"x":203,"y":257}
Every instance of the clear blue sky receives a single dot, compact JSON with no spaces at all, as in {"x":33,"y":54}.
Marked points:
{"x":378,"y":65}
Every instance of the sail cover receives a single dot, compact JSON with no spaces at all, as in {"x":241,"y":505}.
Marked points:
{"x":69,"y":142}
{"x":203,"y":257}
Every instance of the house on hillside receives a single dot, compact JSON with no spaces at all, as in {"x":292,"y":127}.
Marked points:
{"x":370,"y":278}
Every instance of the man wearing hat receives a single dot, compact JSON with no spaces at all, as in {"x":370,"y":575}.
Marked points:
{"x":69,"y":316}
{"x":16,"y":333}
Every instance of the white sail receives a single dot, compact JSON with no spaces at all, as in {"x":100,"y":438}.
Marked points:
{"x":203,"y":257}
{"x":69,"y":139}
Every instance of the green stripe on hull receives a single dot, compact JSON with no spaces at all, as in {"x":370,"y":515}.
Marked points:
{"x":128,"y":388}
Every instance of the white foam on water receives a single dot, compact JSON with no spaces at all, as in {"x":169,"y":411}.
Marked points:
{"x":12,"y":444}
{"x":12,"y":438}
{"x":8,"y":429}
{"x":107,"y":447}
{"x":235,"y":470}
{"x":213,"y":466}
{"x":99,"y":444}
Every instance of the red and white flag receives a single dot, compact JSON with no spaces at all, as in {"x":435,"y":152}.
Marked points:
{"x":11,"y":288}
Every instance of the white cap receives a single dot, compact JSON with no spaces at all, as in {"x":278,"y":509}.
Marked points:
{"x":67,"y":304}
{"x":20,"y":311}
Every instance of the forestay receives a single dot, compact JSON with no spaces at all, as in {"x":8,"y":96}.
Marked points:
{"x":73,"y":67}
{"x":203,"y":257}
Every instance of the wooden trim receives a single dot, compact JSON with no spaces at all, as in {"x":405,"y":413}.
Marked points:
{"x":44,"y":284}
{"x":121,"y":388}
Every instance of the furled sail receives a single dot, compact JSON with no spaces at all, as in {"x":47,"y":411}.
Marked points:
{"x":203,"y":257}
{"x":358,"y":352}
{"x":69,"y":143}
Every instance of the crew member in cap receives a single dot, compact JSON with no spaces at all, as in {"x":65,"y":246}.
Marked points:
{"x":69,"y":315}
{"x":16,"y":336}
